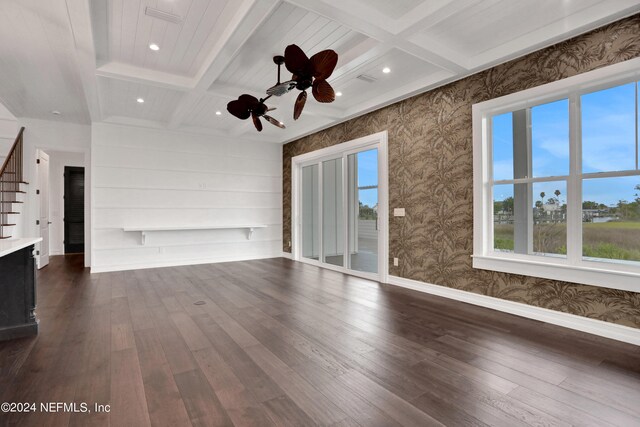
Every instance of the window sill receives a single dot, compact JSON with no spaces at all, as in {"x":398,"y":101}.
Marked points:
{"x":607,"y":277}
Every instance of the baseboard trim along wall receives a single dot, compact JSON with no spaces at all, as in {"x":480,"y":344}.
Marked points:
{"x":571,"y":321}
{"x":287,"y":255}
{"x":178,"y":263}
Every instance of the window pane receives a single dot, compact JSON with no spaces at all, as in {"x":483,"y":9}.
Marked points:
{"x":310,"y":213}
{"x":550,"y":139}
{"x":503,"y":216}
{"x":332,"y":213}
{"x":608,"y":129}
{"x":502,"y":137}
{"x":550,"y":217}
{"x":611,"y":218}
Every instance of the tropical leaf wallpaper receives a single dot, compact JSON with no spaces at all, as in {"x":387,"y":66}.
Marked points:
{"x":430,"y":174}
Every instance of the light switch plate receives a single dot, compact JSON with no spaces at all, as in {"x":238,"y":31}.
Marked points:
{"x":396,"y":261}
{"x":398,"y":211}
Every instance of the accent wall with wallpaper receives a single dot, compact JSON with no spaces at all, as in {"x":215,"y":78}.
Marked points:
{"x":431,"y":175}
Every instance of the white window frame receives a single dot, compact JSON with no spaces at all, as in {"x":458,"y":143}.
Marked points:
{"x":573,"y":268}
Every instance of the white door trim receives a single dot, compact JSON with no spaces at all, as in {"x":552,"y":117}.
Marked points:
{"x":377,"y":140}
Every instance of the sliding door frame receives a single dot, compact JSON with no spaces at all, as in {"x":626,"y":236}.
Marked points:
{"x":375,"y":141}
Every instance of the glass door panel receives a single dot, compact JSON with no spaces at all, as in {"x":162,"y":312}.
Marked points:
{"x":332,"y":212}
{"x":362,"y":191}
{"x":310,"y":212}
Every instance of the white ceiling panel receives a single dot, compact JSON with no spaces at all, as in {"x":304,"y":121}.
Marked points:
{"x":183,"y":46}
{"x":490,"y":24}
{"x":119,"y":99}
{"x":204,"y":115}
{"x":393,"y":9}
{"x":404,"y":68}
{"x":37,"y":55}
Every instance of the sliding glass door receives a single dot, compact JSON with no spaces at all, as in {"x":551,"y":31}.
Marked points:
{"x":363,"y":211}
{"x":338,"y":210}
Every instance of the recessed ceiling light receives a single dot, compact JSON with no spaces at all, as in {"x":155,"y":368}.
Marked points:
{"x":140,"y":101}
{"x":218,"y":113}
{"x":154,"y":46}
{"x":386,"y":70}
{"x":56,"y":112}
{"x":338,"y":93}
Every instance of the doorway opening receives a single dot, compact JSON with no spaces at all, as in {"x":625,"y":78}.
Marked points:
{"x":73,"y":210}
{"x":340,"y":207}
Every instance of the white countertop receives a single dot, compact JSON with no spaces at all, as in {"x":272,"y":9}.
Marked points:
{"x":12,"y":245}
{"x":192,"y":227}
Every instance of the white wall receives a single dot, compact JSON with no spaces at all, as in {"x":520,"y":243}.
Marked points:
{"x":8,"y":132}
{"x":52,"y":136}
{"x":57,"y":162}
{"x":164,"y":178}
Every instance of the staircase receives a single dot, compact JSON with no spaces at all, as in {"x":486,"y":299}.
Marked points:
{"x":11,"y":180}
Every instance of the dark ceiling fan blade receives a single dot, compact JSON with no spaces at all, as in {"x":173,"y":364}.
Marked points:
{"x":249,"y":100}
{"x":238,"y":109}
{"x":296,"y":60}
{"x":300,"y":101}
{"x":272,"y":108}
{"x":322,"y":91}
{"x":323,"y":63}
{"x":274,"y":122}
{"x":256,"y":122}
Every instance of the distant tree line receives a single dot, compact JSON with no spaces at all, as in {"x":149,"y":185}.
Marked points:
{"x":624,"y":210}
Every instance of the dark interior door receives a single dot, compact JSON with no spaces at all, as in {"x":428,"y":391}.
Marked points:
{"x":73,"y":209}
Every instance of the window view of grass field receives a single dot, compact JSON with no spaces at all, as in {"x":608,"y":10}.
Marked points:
{"x":610,"y":204}
{"x":608,"y":232}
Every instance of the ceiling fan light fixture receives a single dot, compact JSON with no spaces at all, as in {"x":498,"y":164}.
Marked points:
{"x":306,"y":73}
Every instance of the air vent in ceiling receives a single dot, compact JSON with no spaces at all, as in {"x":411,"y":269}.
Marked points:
{"x":367,"y":78}
{"x":160,"y":14}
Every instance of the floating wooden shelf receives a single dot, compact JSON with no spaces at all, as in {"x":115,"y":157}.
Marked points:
{"x":144,"y":230}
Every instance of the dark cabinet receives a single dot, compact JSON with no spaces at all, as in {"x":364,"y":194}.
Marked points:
{"x":18,"y":294}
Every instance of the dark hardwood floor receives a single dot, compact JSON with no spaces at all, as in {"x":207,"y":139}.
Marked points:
{"x":283,"y":343}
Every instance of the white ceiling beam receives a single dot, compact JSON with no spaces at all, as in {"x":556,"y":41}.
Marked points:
{"x":357,"y":23}
{"x":135,"y":74}
{"x":245,"y":22}
{"x":81,"y":29}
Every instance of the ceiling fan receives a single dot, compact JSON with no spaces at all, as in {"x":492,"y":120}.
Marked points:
{"x":249,"y":106}
{"x":306,"y":73}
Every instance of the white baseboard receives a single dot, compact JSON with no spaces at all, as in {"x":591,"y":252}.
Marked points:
{"x":287,"y":255}
{"x":179,"y":263}
{"x":571,"y":321}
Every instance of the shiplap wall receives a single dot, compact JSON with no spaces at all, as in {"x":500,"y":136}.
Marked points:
{"x":144,"y":177}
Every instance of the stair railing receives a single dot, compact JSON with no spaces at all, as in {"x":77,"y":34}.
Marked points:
{"x":11,"y":176}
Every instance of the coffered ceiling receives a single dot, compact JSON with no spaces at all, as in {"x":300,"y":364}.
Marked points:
{"x":91,"y":59}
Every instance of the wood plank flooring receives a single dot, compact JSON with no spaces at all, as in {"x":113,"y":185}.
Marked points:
{"x":274,"y":342}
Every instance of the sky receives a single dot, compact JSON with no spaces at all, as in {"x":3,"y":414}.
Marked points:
{"x":608,"y":144}
{"x":368,"y":175}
